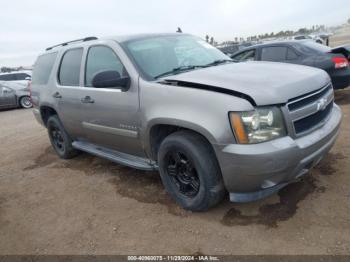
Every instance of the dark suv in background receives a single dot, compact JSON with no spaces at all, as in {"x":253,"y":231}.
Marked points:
{"x":304,"y":52}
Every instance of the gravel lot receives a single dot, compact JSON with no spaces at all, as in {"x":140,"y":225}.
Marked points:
{"x":88,"y":205}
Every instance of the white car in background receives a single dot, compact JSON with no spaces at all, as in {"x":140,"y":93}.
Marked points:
{"x":17,"y":76}
{"x":15,"y":89}
{"x":13,"y":95}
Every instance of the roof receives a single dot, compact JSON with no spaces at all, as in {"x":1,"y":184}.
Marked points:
{"x":276,"y":42}
{"x":17,"y":72}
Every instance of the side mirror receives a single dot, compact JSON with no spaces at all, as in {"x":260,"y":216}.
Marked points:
{"x":111,"y":79}
{"x":28,"y":78}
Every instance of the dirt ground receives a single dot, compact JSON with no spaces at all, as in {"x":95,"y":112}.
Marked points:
{"x":341,"y":37}
{"x":88,"y":205}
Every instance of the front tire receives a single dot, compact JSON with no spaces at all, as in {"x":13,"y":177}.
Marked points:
{"x":59,"y":138}
{"x":190,"y":171}
{"x":25,"y":102}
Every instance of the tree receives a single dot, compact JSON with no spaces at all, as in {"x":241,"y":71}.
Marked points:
{"x":302,"y":31}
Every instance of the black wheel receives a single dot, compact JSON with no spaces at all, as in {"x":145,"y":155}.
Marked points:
{"x":25,"y":102}
{"x":59,"y":138}
{"x":190,"y":171}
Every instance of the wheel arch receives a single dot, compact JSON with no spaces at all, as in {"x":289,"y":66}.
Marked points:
{"x":159,"y":129}
{"x":45,"y":112}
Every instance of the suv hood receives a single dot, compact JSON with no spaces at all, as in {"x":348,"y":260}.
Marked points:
{"x":266,"y":83}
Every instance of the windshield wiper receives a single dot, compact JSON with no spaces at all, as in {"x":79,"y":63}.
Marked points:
{"x":178,"y":70}
{"x":218,"y":62}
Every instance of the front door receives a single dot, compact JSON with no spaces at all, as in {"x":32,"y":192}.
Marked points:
{"x":110,"y":115}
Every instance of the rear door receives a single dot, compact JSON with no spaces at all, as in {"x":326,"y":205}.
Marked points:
{"x":110,"y":115}
{"x":7,"y":97}
{"x":273,"y":53}
{"x":69,"y":92}
{"x":281,"y":53}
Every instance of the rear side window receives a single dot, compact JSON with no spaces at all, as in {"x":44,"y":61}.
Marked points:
{"x":274,"y":53}
{"x":42,"y":68}
{"x":101,"y":58}
{"x":291,"y":55}
{"x":70,"y":67}
{"x":21,"y":76}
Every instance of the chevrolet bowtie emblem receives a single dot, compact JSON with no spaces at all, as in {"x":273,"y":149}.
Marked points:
{"x":321,"y":104}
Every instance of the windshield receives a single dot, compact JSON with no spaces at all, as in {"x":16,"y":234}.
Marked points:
{"x":158,"y":56}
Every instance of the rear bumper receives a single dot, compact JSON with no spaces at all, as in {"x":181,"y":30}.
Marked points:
{"x":251,"y":172}
{"x":341,"y":78}
{"x":37,"y":116}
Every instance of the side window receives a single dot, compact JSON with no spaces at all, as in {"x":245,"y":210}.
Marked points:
{"x":274,"y":53}
{"x":291,"y":55}
{"x":101,"y":58}
{"x":8,"y":77}
{"x":245,"y":56}
{"x":42,"y":68}
{"x":12,"y":77}
{"x":69,"y":73}
{"x":20,"y":76}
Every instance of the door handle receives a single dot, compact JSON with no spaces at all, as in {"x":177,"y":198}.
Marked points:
{"x":87,"y":100}
{"x":57,"y":95}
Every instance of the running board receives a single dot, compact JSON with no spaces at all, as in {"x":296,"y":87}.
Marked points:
{"x":115,"y":156}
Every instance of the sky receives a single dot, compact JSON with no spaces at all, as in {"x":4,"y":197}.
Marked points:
{"x":28,"y":27}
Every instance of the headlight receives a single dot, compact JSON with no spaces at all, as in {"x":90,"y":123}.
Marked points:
{"x":260,"y":125}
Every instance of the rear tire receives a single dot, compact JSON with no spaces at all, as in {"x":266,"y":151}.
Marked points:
{"x":190,"y":171}
{"x":25,"y":102}
{"x":59,"y":138}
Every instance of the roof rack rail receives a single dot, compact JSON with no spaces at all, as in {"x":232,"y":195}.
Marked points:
{"x":73,"y":41}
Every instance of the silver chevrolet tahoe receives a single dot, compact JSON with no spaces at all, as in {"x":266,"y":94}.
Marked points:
{"x":174,"y":103}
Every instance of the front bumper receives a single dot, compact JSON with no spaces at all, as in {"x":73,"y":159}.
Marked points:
{"x":251,"y":172}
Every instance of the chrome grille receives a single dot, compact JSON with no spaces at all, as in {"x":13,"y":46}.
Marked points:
{"x":308,"y":112}
{"x":304,"y":100}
